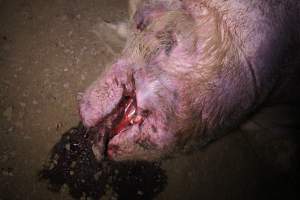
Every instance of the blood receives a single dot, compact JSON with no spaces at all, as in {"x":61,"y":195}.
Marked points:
{"x":128,"y":117}
{"x":121,"y":118}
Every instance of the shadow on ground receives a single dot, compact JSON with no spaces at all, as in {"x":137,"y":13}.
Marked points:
{"x":72,"y":167}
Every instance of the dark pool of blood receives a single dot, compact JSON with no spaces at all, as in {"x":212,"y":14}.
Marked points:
{"x":72,"y":164}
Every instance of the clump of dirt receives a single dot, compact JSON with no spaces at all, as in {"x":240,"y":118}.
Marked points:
{"x":72,"y":167}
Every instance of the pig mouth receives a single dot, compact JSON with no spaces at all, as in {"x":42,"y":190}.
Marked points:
{"x":122,"y":117}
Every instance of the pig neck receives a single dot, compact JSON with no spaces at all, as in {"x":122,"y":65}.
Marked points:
{"x":260,"y":31}
{"x":260,"y":34}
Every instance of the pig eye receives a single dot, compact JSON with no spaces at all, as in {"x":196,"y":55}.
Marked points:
{"x":141,"y":26}
{"x":169,"y":46}
{"x":167,"y":40}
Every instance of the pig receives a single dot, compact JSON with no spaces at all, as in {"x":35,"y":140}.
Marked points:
{"x":190,"y":71}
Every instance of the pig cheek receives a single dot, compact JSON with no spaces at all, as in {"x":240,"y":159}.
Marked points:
{"x":146,"y":89}
{"x":144,"y":142}
{"x":122,"y":144}
{"x":133,"y":144}
{"x":146,"y":95}
{"x":152,"y":142}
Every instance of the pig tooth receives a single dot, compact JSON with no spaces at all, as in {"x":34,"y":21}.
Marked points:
{"x":131,"y":113}
{"x":131,"y":121}
{"x":130,"y":110}
{"x":129,"y":104}
{"x":138,"y":119}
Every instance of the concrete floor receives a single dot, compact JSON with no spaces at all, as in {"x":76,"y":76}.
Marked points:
{"x":49,"y":52}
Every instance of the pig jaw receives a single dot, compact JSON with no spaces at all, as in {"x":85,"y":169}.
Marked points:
{"x":146,"y":141}
{"x":131,"y":125}
{"x":142,"y":133}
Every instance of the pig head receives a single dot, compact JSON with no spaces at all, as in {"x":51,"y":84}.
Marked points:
{"x":190,"y":70}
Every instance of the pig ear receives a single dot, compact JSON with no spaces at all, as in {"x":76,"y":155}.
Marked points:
{"x":133,"y":6}
{"x":145,"y":13}
{"x":196,"y":9}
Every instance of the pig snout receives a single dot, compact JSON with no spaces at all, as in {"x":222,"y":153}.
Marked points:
{"x":189,"y":71}
{"x":130,"y":115}
{"x":104,"y":94}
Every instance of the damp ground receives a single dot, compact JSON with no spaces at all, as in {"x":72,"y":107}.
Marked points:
{"x":49,"y":52}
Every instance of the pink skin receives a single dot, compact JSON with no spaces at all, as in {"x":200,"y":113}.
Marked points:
{"x":138,"y":131}
{"x":189,"y":72}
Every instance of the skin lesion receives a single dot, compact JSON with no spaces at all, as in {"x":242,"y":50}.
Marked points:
{"x":167,"y":40}
{"x":145,"y":144}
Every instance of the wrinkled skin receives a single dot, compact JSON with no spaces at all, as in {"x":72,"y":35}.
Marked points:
{"x":195,"y":68}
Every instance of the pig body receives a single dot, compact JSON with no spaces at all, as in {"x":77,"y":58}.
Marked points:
{"x":190,"y":70}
